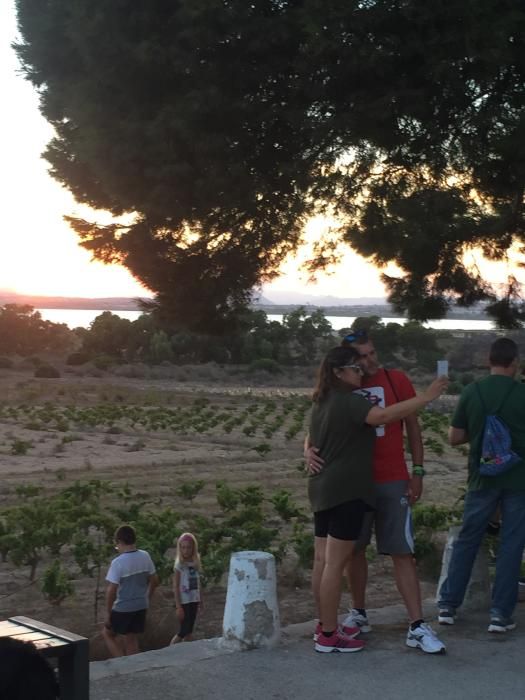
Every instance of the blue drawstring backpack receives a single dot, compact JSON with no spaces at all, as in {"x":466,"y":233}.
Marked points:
{"x":497,"y":455}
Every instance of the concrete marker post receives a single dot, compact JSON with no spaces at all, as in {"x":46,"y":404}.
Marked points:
{"x":477,"y":596}
{"x":251,"y":613}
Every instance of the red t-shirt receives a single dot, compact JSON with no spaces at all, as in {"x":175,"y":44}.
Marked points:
{"x":389,"y":452}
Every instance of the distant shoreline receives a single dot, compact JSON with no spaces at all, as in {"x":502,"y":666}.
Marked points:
{"x":132,"y":304}
{"x":75,"y":303}
{"x":381,"y":310}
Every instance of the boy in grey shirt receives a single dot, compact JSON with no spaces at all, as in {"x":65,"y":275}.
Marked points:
{"x":131,"y":581}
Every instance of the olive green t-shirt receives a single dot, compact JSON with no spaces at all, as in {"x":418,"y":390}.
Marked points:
{"x":345,"y":442}
{"x":470,"y":416}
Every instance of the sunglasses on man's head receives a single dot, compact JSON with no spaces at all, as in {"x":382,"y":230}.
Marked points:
{"x":356,"y":335}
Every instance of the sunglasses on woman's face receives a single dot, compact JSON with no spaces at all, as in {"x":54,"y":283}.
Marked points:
{"x":356,"y":368}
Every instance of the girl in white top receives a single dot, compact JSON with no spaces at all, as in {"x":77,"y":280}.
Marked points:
{"x":186,"y":585}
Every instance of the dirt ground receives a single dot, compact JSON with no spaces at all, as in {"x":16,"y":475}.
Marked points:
{"x":156,"y":461}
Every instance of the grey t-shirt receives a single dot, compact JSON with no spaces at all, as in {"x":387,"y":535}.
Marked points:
{"x":131,"y":571}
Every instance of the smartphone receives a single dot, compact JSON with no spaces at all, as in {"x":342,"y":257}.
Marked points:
{"x":442,"y":368}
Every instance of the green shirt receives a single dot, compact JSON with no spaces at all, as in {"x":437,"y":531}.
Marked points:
{"x":346,"y":443}
{"x":470,"y":416}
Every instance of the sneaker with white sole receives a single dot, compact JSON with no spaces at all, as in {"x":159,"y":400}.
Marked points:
{"x":423,"y":637}
{"x":446,"y":616}
{"x":351,"y":632}
{"x":337,"y":642}
{"x":501,"y":624}
{"x":357,"y":619}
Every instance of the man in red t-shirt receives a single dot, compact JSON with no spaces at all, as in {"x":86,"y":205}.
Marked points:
{"x":396,"y":491}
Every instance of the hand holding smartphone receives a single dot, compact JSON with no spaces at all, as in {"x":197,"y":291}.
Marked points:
{"x":442,"y":368}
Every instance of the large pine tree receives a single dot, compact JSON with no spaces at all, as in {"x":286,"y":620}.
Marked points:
{"x":223,"y":125}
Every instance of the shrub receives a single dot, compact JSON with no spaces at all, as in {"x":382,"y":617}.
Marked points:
{"x":45,"y":371}
{"x":266,"y":364}
{"x":190,"y":489}
{"x":262,"y":448}
{"x":428,"y":520}
{"x":227,"y":497}
{"x":103,"y":362}
{"x":467,"y":378}
{"x":303,"y":545}
{"x":77,"y":358}
{"x":56,"y":584}
{"x":20,"y":447}
{"x":284,"y":505}
{"x":455,"y":388}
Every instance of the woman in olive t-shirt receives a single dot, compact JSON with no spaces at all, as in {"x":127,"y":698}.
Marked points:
{"x":342,"y":427}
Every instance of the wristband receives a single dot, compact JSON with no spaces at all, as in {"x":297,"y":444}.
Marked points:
{"x":417,"y":470}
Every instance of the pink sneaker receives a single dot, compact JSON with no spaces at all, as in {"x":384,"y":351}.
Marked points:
{"x":338,"y":642}
{"x":343,"y":629}
{"x":351,"y":632}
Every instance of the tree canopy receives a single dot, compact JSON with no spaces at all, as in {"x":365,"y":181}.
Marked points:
{"x":221,"y":126}
{"x":24,"y":332}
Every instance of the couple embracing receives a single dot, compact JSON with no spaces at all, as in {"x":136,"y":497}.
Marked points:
{"x":358,"y":478}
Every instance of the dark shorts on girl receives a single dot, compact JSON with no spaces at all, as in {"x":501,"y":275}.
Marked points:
{"x":128,"y":622}
{"x":187,"y":625}
{"x":343,"y":522}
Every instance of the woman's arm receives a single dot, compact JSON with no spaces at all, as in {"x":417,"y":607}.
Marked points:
{"x":380,"y":416}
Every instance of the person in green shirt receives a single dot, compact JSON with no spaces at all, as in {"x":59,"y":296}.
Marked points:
{"x":499,"y":394}
{"x":342,"y":427}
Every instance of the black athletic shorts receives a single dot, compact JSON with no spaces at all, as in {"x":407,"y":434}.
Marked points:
{"x":128,"y":622}
{"x":343,"y":522}
{"x":190,"y":613}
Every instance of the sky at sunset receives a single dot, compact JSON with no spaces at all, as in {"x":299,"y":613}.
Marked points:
{"x":40,"y":254}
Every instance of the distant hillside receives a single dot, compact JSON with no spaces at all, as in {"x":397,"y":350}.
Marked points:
{"x":42,"y":302}
{"x":331,"y":306}
{"x":289,"y":297}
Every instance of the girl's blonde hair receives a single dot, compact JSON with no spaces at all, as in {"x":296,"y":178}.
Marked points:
{"x":196,"y":559}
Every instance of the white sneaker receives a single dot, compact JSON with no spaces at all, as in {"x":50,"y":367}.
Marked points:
{"x":446,"y":616}
{"x":357,"y":619}
{"x":501,"y":624}
{"x":424,"y":638}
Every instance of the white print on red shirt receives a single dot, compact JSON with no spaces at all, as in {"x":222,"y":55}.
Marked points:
{"x":376,"y":396}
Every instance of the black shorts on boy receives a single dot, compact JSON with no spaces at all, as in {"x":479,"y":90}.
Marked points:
{"x":128,"y":622}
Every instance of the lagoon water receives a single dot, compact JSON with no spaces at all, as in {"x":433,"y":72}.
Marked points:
{"x":74,"y":318}
{"x":338,"y":322}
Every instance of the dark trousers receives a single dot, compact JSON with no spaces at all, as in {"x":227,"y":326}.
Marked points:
{"x":187,"y":625}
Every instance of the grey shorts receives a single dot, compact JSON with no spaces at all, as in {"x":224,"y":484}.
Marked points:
{"x":391,"y":520}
